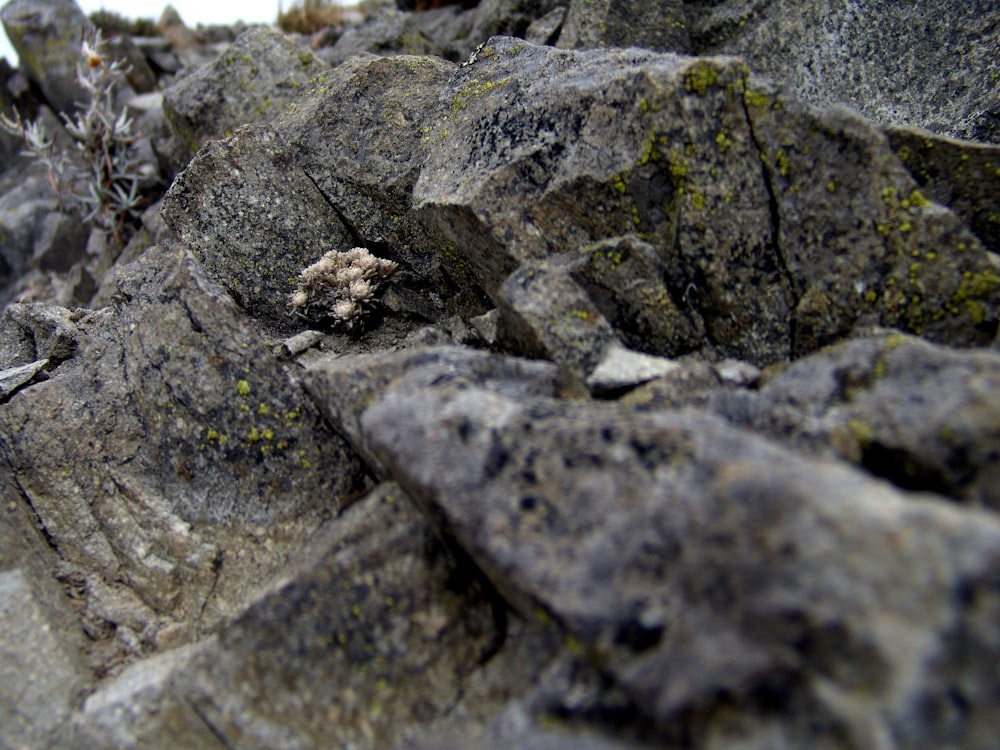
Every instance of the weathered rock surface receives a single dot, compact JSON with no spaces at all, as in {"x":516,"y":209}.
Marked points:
{"x":744,"y":495}
{"x":660,"y":26}
{"x":46,"y":36}
{"x":703,"y":567}
{"x":167,"y":494}
{"x":252,"y":81}
{"x":893,"y":62}
{"x":962,"y":175}
{"x":919,"y":415}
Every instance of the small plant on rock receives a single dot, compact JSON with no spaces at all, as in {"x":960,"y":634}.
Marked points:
{"x":100,"y":173}
{"x":339,"y":288}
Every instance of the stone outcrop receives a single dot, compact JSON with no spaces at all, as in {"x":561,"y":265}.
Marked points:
{"x":675,"y":424}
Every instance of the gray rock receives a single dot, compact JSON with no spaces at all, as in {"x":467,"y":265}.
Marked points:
{"x":141,"y":708}
{"x":374,"y":634}
{"x":252,"y":81}
{"x":345,"y":387}
{"x":30,"y":333}
{"x":506,"y":18}
{"x":862,"y":252}
{"x":919,"y":415}
{"x":961,"y":175}
{"x":39,"y":680}
{"x":388,"y":32}
{"x":254,"y":220}
{"x":336,"y":171}
{"x":545,"y":30}
{"x":61,"y":242}
{"x":46,"y":35}
{"x":23,"y":212}
{"x":887,"y":60}
{"x":658,"y":25}
{"x":17,"y":377}
{"x":362,"y":138}
{"x":734,"y":591}
{"x":202,"y":451}
{"x":574,"y":166}
{"x":622,"y":368}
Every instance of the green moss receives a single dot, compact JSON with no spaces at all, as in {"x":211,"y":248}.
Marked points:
{"x":214,"y":436}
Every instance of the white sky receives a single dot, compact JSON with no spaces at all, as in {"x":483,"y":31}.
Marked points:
{"x":192,"y":11}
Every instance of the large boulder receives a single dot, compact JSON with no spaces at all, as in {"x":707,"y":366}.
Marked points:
{"x":735,"y":592}
{"x":777,"y":227}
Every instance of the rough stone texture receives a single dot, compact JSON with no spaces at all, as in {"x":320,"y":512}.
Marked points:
{"x":253,"y":219}
{"x":345,"y":387}
{"x":346,"y":156}
{"x":660,"y":26}
{"x":719,"y":594}
{"x":46,"y":35}
{"x":361,"y":138}
{"x":919,"y":415}
{"x":40,"y":680}
{"x":739,"y":553}
{"x":252,"y":81}
{"x":23,"y":211}
{"x":141,"y":707}
{"x":930,"y":64}
{"x":961,"y":175}
{"x":168,"y":456}
{"x":771,"y":262}
{"x":390,"y":32}
{"x":370,"y":637}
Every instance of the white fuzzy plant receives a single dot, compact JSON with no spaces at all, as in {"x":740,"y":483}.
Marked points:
{"x":99,"y":174}
{"x":339,"y":288}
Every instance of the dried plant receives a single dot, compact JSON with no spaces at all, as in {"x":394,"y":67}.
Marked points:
{"x":100,"y":173}
{"x":340,"y":288}
{"x":309,"y":16}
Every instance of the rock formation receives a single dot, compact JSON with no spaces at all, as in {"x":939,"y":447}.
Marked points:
{"x":675,"y":423}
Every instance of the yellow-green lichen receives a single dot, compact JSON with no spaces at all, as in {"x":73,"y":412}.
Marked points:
{"x":917,"y":200}
{"x":243,"y":388}
{"x":699,"y":77}
{"x":723,"y":141}
{"x":781,"y":159}
{"x":862,"y":432}
{"x":214,"y":436}
{"x":756,"y":99}
{"x":475,"y":88}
